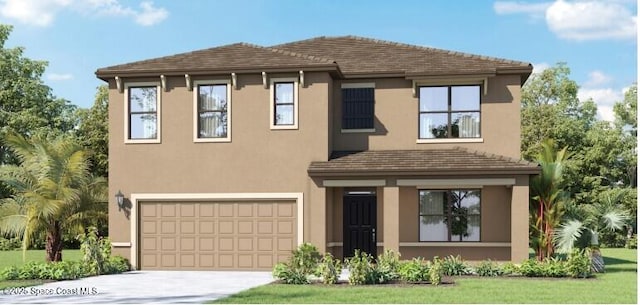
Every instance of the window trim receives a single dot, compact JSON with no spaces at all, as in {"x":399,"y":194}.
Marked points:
{"x":272,"y":103}
{"x":479,"y":190}
{"x":371,"y":85}
{"x":449,"y":113}
{"x":196,"y":131}
{"x":127,"y":113}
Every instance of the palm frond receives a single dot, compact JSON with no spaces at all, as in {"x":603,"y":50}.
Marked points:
{"x":13,"y":225}
{"x":565,"y":237}
{"x":614,"y":220}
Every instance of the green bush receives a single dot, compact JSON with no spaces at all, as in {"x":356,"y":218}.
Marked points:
{"x":435,"y":271}
{"x":553,"y":267}
{"x":10,"y":273}
{"x":67,"y":270}
{"x":8,"y":244}
{"x":116,"y":264}
{"x":362,"y":270}
{"x":488,"y":268}
{"x":455,"y":265}
{"x":94,"y":252}
{"x":329,"y":269}
{"x":579,"y":264}
{"x":415,"y":270}
{"x":387,"y":266}
{"x":305,"y":258}
{"x":289,"y":275}
{"x":632,"y":243}
{"x":510,"y":269}
{"x":530,"y":268}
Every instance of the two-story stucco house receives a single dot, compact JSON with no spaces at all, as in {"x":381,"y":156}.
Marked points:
{"x":230,"y":157}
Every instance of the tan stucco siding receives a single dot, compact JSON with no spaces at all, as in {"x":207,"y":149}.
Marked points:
{"x":257,"y":159}
{"x":396,"y":118}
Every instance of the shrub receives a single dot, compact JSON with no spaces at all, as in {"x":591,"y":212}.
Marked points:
{"x":510,"y":269}
{"x":436,"y":271}
{"x":305,"y":258}
{"x":94,"y":252}
{"x":67,"y":270}
{"x":329,"y":269}
{"x":632,"y":243}
{"x":289,"y":275}
{"x":10,"y":273}
{"x":489,"y":268}
{"x":553,"y":267}
{"x":455,"y":265}
{"x":530,"y":268}
{"x":8,"y":244}
{"x":579,"y":264}
{"x":362,"y":271}
{"x":388,"y":264}
{"x":117,"y":264}
{"x":415,"y":270}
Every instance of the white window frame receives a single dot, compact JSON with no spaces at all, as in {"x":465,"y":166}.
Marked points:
{"x":272,"y":106}
{"x":158,"y":113}
{"x":196,"y":132}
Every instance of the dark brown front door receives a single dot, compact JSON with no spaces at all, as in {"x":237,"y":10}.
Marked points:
{"x":359,"y":224}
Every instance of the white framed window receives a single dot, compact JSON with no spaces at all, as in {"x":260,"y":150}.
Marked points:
{"x":142,"y":112}
{"x":283,"y":110}
{"x":449,"y":215}
{"x":212,"y":111}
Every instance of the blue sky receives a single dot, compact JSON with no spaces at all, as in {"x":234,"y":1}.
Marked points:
{"x":598,"y":39}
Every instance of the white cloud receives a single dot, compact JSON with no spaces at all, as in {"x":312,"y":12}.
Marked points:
{"x":36,"y":12}
{"x":59,"y":77}
{"x":597,"y":78}
{"x":591,"y":20}
{"x":150,"y":15}
{"x":539,"y":67}
{"x":43,"y":12}
{"x":604,"y":98}
{"x":580,"y":20}
{"x":510,"y":7}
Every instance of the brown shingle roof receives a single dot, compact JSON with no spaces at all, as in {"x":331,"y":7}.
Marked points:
{"x":355,"y":56}
{"x":233,"y":57}
{"x":419,"y":162}
{"x":359,"y":55}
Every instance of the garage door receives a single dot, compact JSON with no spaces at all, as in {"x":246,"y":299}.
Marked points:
{"x":216,"y":235}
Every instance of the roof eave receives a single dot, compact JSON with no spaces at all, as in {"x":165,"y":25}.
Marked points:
{"x":105,"y":75}
{"x":422,"y":172}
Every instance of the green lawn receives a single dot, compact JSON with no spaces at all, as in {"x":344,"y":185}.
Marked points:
{"x":14,"y":258}
{"x":617,"y":285}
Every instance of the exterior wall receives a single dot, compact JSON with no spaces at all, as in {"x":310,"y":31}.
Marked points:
{"x":396,"y":118}
{"x":257,"y":159}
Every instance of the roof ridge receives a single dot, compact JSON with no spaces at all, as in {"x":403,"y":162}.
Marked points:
{"x":300,"y":55}
{"x":413,"y":46}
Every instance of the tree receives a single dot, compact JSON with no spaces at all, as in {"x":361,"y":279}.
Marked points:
{"x":54,"y":193}
{"x":26,"y":103}
{"x":589,"y":221}
{"x":627,"y":110}
{"x":93,"y":132}
{"x":547,"y":199}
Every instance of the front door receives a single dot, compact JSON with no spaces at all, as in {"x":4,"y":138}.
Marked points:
{"x":359,"y":224}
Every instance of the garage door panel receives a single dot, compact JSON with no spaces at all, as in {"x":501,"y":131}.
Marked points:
{"x":216,"y":235}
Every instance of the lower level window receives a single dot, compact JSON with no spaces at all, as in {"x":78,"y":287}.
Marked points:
{"x":449,"y":215}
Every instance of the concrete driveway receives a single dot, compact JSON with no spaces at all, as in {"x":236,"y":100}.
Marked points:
{"x":141,"y":287}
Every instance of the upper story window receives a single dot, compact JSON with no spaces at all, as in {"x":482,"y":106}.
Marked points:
{"x":212,"y":111}
{"x":449,"y":112}
{"x":284,"y":103}
{"x":358,"y":107}
{"x":142,"y":113}
{"x":449,"y":215}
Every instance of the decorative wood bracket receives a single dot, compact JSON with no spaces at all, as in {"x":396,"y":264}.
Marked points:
{"x":302,"y":78}
{"x":264,"y":80}
{"x":234,"y":81}
{"x":163,"y":82}
{"x":119,"y":84}
{"x":187,"y":80}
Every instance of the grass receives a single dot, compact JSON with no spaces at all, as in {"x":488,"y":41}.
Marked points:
{"x":14,"y":258}
{"x":617,"y":285}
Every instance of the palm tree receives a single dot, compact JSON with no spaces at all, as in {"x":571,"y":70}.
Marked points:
{"x":588,"y":221}
{"x":54,"y":192}
{"x":547,"y":199}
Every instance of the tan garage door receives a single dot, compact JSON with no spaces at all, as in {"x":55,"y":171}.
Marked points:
{"x":216,"y":235}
